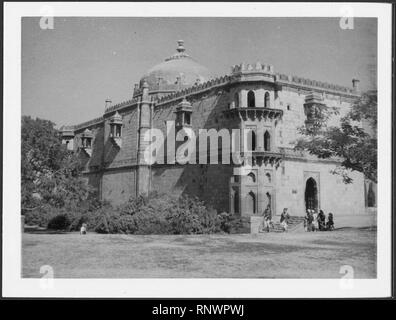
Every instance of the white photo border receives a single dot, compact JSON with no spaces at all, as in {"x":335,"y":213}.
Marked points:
{"x":15,"y":286}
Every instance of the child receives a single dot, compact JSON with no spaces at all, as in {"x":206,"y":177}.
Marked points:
{"x":83,"y":229}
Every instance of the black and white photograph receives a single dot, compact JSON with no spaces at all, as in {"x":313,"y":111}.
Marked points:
{"x":209,"y":151}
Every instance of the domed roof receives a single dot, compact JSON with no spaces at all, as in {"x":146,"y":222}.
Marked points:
{"x":176,"y":72}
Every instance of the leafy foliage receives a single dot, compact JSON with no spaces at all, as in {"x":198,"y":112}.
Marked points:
{"x":68,"y":218}
{"x":164,"y":214}
{"x":354,"y":144}
{"x":51,"y":174}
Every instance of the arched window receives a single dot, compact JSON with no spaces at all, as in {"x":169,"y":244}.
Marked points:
{"x":236,"y":100}
{"x":251,"y":202}
{"x":266,"y":100}
{"x":251,"y":99}
{"x":252,"y":177}
{"x":253,"y":141}
{"x":267,"y":141}
{"x":268,"y":177}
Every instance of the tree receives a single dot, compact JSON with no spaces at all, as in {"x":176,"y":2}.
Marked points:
{"x":50,"y":174}
{"x":354,"y":142}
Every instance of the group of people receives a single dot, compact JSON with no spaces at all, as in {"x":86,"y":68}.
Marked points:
{"x":267,"y":219}
{"x":313,"y":221}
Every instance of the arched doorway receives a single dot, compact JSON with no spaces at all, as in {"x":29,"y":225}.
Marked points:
{"x":234,"y":200}
{"x":371,"y":196}
{"x":311,"y":194}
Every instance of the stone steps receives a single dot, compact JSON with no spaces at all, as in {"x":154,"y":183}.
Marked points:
{"x":293,"y":224}
{"x":253,"y":224}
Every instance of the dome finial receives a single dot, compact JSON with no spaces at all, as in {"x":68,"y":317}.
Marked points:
{"x":180,"y":47}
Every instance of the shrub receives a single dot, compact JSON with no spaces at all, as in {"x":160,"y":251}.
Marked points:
{"x":230,"y":223}
{"x":59,"y":222}
{"x":68,"y":218}
{"x":155,"y":214}
{"x":160,"y":214}
{"x":40,"y":216}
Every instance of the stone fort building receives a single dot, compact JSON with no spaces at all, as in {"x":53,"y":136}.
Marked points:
{"x":252,"y":96}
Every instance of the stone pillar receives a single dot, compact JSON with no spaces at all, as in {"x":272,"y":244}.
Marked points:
{"x":143,"y":171}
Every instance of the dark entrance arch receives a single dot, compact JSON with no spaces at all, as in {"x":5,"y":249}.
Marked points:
{"x":311,"y":194}
{"x":371,"y":196}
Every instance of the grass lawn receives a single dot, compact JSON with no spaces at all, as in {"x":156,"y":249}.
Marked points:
{"x":273,"y":255}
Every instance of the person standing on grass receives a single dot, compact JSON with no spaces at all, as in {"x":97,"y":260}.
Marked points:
{"x":321,"y":221}
{"x":315,"y":220}
{"x":284,"y":219}
{"x":311,"y":226}
{"x":307,"y":221}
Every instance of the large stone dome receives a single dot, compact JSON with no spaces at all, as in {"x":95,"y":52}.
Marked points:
{"x":176,"y":72}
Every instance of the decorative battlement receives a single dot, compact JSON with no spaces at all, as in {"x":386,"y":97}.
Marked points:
{"x":123,"y":104}
{"x":88,"y":123}
{"x":314,"y":84}
{"x":257,"y":67}
{"x":198,"y":88}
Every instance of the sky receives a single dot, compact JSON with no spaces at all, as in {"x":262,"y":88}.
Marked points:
{"x":68,"y":72}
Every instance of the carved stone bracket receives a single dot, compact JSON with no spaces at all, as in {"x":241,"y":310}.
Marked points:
{"x":254,"y":113}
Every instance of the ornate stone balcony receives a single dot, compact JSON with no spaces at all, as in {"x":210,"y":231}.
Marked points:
{"x":254,"y":113}
{"x":259,"y":157}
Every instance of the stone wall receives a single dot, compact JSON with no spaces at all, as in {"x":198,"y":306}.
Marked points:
{"x":333,"y":195}
{"x":115,"y":156}
{"x":119,"y":185}
{"x":292,"y":104}
{"x":208,"y":182}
